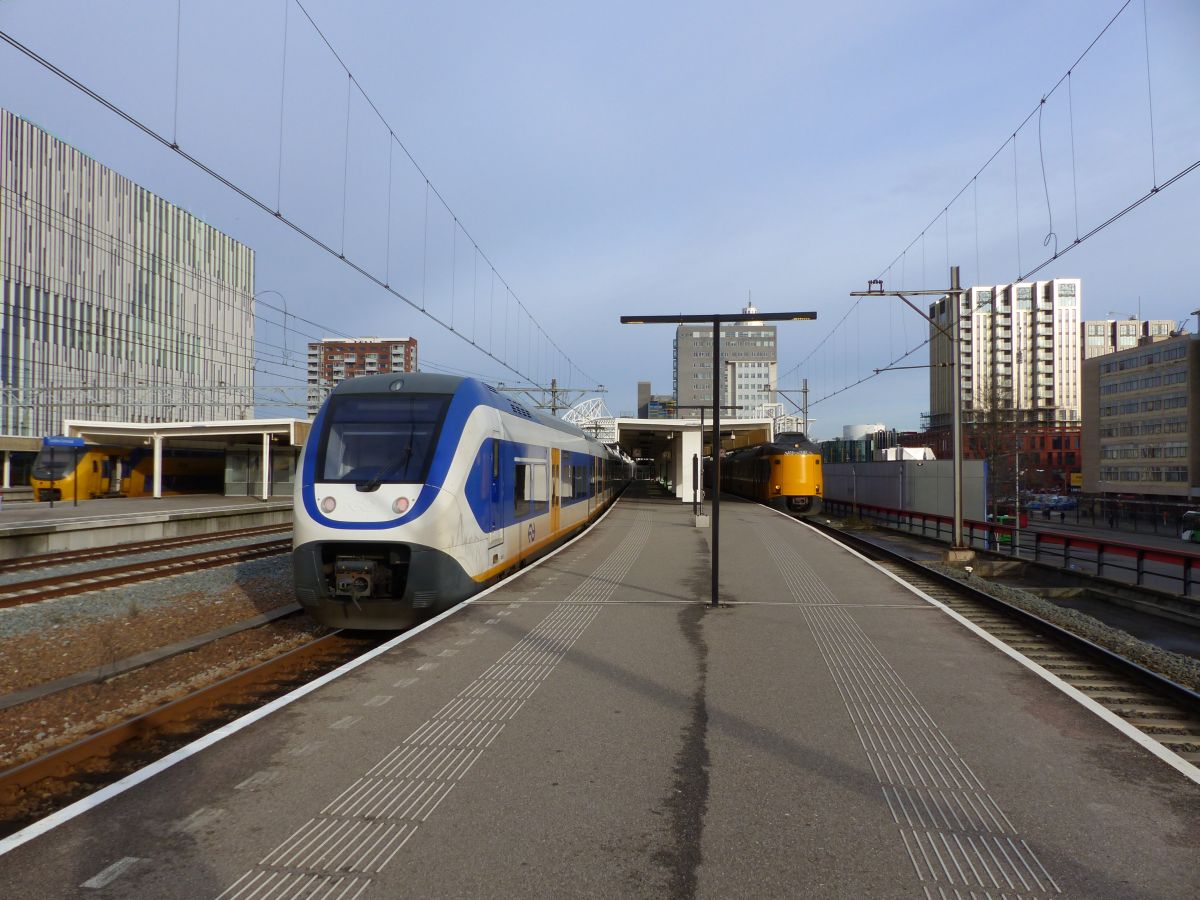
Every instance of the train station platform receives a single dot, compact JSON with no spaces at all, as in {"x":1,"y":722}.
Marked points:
{"x":30,"y":528}
{"x":593,"y":728}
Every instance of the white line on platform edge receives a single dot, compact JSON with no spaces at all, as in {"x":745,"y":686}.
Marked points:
{"x":90,"y":802}
{"x":1170,"y":757}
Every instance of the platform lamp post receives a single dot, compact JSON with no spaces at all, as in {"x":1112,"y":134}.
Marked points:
{"x":716,"y":320}
{"x":958,"y":550}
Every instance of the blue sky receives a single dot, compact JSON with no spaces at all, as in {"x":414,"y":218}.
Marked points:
{"x":649,"y":158}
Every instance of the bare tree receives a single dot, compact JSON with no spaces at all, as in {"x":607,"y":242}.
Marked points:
{"x":989,"y":434}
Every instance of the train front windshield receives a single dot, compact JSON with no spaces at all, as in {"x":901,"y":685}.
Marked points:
{"x":51,"y":465}
{"x":371,"y":439}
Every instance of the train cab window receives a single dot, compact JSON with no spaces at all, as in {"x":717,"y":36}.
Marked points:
{"x":371,"y":439}
{"x":51,"y":464}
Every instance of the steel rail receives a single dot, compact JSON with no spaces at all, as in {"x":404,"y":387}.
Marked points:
{"x":61,"y":763}
{"x":145,"y":659}
{"x":35,"y":590}
{"x":71,"y":557}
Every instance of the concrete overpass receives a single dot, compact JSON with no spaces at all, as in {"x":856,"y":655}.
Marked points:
{"x":670,"y":444}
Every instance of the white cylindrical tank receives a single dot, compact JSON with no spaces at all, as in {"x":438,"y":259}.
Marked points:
{"x":858,"y":432}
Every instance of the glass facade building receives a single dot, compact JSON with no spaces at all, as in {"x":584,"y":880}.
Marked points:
{"x":117,"y":305}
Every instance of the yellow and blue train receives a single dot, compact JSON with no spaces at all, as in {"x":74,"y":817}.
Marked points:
{"x":418,"y":490}
{"x":784,"y":473}
{"x":62,"y":472}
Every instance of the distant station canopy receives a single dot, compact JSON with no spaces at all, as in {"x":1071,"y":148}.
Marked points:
{"x":593,"y":417}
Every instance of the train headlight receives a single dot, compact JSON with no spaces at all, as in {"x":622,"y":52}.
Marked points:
{"x":400,"y":505}
{"x":328,"y":504}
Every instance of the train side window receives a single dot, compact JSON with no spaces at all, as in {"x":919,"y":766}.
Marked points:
{"x":95,"y":467}
{"x":538,"y":482}
{"x":489,"y":476}
{"x":521,"y":490}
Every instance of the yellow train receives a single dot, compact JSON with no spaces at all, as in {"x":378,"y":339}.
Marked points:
{"x":785,"y":474}
{"x":84,"y":473}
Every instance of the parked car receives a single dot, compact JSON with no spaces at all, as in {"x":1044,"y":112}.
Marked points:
{"x":1189,"y":527}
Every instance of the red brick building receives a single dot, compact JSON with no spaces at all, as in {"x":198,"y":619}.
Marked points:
{"x":1049,"y":456}
{"x":332,"y":360}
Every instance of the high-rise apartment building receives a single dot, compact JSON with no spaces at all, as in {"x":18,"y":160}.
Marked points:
{"x":332,"y":360}
{"x":1018,"y":351}
{"x":1141,"y":419}
{"x":117,"y":305}
{"x":748,"y":373}
{"x":1102,"y":336}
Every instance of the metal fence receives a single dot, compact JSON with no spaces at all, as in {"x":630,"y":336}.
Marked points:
{"x":1165,"y":570}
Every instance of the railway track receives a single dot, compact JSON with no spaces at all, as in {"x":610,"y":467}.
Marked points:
{"x":1164,"y":711}
{"x":71,"y":557}
{"x":35,"y":590}
{"x":36,"y":788}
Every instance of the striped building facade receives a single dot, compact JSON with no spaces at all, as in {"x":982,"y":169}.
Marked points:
{"x":117,"y":305}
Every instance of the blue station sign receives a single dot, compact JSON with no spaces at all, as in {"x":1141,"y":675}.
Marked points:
{"x":58,"y":440}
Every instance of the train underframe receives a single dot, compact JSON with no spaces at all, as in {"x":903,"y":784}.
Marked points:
{"x":360,"y":584}
{"x":798,"y":505}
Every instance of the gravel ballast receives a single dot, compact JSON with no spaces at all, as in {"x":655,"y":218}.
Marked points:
{"x":44,"y":641}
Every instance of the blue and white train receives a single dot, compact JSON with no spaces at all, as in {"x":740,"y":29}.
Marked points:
{"x":418,"y":490}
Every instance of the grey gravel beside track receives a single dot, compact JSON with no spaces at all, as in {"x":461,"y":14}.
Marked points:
{"x":63,"y":613}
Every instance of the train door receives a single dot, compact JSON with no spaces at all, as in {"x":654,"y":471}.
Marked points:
{"x":555,"y":488}
{"x":495,"y":512}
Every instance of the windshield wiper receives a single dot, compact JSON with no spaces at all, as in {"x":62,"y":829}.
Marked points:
{"x":394,"y":465}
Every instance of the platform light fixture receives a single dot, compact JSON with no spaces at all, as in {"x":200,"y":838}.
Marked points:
{"x":716,"y":320}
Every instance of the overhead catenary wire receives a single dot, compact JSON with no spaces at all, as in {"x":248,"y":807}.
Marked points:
{"x":1150,"y":99}
{"x":1023,"y":272}
{"x":127,"y":252}
{"x":178,"y":45}
{"x":256,"y":201}
{"x":418,"y":168}
{"x":1074,"y":179}
{"x":346,"y":161}
{"x":1017,"y":199}
{"x":1050,"y":235}
{"x":282,"y":98}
